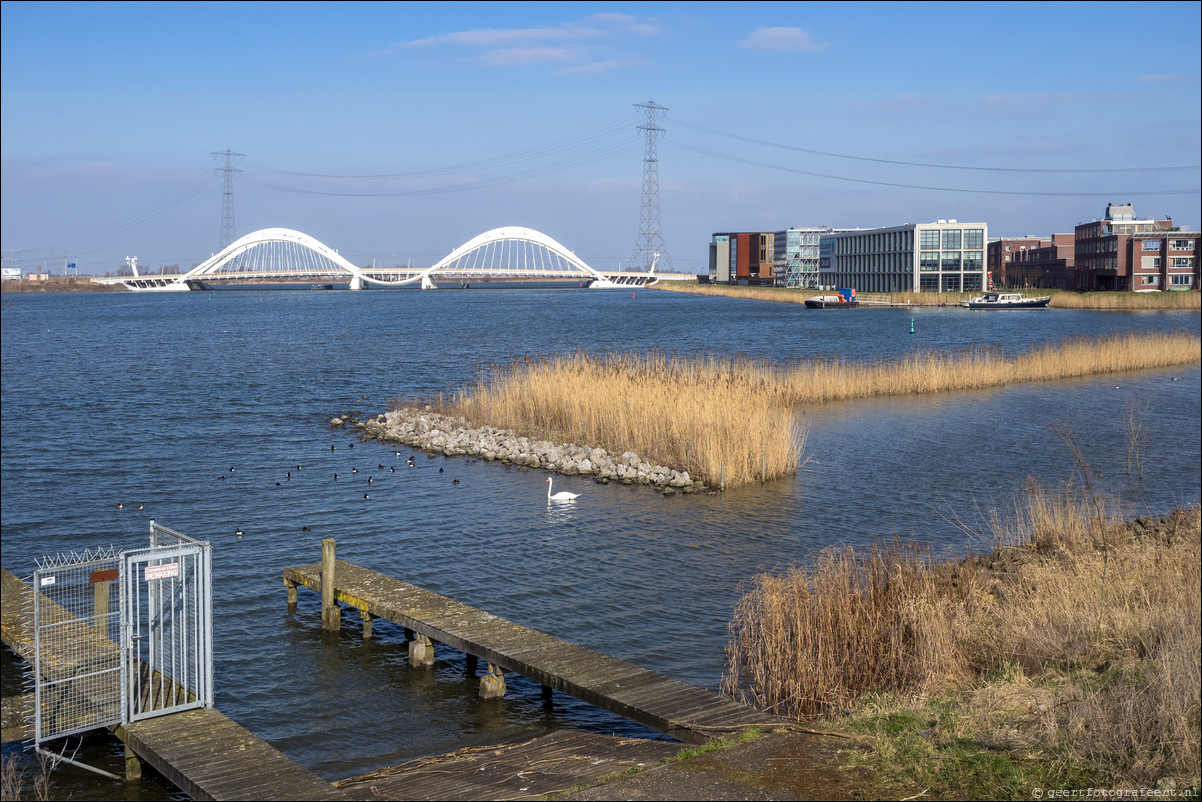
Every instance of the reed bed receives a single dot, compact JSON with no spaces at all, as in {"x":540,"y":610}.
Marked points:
{"x":731,"y":421}
{"x":1125,"y":300}
{"x":719,"y":421}
{"x":1078,"y":646}
{"x":1061,"y":299}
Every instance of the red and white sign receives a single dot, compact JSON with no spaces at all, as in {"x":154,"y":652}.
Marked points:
{"x":164,"y":571}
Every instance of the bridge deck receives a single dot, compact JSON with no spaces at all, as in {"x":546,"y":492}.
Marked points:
{"x":676,"y":708}
{"x":206,"y":754}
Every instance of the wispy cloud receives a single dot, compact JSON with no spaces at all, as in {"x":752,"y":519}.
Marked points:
{"x":898,"y":106}
{"x":587,"y":46}
{"x":1166,"y":78}
{"x":494,"y":37}
{"x":781,"y":38}
{"x":528,"y":56}
{"x":628,"y":23}
{"x":608,"y":65}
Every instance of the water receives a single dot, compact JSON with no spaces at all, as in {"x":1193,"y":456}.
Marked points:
{"x":151,"y":398}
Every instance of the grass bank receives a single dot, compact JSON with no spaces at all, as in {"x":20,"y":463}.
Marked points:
{"x":1069,"y":657}
{"x":1060,"y":299}
{"x":733,"y":421}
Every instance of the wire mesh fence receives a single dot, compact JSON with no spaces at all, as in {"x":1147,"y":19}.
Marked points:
{"x":77,"y":635}
{"x":121,"y":636}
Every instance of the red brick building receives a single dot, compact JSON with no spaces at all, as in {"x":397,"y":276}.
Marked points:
{"x":1104,"y":250}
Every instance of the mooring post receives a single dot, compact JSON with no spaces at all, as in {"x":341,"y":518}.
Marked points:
{"x":288,"y":583}
{"x":366,"y":616}
{"x":421,"y":652}
{"x":133,"y":766}
{"x":331,"y":615}
{"x":492,"y":684}
{"x":100,"y":604}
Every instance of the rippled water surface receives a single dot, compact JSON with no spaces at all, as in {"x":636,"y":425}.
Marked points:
{"x":151,"y":398}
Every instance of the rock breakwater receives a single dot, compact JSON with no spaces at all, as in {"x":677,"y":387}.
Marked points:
{"x":436,"y":433}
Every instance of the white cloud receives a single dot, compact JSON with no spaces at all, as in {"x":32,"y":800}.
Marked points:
{"x":628,"y":23}
{"x":491,"y":37}
{"x":781,"y":38}
{"x":526,"y":56}
{"x":1162,"y":79}
{"x":608,"y":65}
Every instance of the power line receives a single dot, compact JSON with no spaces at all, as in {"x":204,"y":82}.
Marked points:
{"x":523,"y":175}
{"x":1111,"y":193}
{"x":800,"y":149}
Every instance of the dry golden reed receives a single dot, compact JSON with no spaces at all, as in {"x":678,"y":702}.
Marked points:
{"x":733,"y":421}
{"x":1081,"y":640}
{"x":1060,"y":299}
{"x":1126,"y":300}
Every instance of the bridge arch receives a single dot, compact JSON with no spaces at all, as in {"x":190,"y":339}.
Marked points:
{"x":511,"y":252}
{"x":280,"y":252}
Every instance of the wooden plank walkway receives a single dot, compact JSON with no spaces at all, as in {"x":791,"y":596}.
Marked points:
{"x":206,"y":754}
{"x":676,"y":708}
{"x":526,"y":768}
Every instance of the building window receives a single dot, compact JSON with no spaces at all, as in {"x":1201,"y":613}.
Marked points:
{"x":972,"y":282}
{"x":1183,"y":245}
{"x":928,"y":282}
{"x":1181,"y":280}
{"x":974,"y":238}
{"x":951,"y":238}
{"x":929,"y":240}
{"x":1181,"y":261}
{"x":951,"y":282}
{"x":951,"y":260}
{"x":1150,"y":281}
{"x":929,"y":260}
{"x":973,"y":260}
{"x":1151,"y":245}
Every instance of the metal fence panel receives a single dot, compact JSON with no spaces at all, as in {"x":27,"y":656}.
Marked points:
{"x":168,"y":632}
{"x":77,"y":659}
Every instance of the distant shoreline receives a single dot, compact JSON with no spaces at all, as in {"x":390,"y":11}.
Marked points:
{"x":60,"y":284}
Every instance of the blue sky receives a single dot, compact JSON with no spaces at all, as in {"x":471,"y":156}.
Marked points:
{"x":395,"y":132}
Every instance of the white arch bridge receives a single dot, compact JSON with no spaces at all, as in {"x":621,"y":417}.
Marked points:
{"x":285,"y":255}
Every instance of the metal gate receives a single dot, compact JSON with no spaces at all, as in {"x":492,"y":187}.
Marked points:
{"x":167,"y":626}
{"x":76,"y":632}
{"x":120,"y":637}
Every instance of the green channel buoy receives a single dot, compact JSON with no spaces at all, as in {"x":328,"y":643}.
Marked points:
{"x":911,"y":325}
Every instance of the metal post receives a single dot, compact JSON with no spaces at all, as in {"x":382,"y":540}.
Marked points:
{"x":331,"y":615}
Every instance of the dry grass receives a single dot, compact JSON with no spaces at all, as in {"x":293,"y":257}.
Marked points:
{"x":1124,"y":300}
{"x":715,"y":418}
{"x":731,"y":421}
{"x":1080,"y":644}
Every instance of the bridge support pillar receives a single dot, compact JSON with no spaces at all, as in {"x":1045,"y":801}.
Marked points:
{"x":356,"y":283}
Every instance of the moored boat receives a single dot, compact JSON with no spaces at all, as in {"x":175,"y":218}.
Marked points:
{"x":1006,"y":300}
{"x":846,"y":299}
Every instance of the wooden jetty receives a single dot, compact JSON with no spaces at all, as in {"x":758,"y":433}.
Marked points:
{"x":670,"y":706}
{"x":204,"y":753}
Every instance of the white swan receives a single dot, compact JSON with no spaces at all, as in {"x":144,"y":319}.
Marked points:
{"x":562,"y":495}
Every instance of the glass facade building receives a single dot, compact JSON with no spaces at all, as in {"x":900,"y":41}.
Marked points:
{"x":944,"y":256}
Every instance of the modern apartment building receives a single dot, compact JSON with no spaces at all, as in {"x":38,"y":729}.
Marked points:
{"x":743,"y":258}
{"x":943,"y":256}
{"x":1164,"y":260}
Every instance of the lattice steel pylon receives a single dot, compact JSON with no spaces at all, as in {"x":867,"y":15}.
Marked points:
{"x":650,"y":241}
{"x":228,"y":231}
